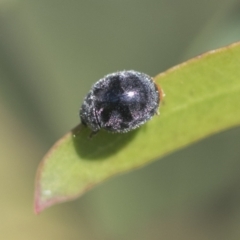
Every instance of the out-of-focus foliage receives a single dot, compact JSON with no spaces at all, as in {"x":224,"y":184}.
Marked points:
{"x":50,"y":54}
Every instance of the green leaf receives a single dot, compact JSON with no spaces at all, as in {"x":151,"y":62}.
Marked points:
{"x":202,"y":98}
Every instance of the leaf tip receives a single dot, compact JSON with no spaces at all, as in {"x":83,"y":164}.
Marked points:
{"x":42,"y":199}
{"x":39,"y":204}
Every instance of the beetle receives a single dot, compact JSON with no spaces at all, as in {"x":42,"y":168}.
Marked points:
{"x":120,"y":102}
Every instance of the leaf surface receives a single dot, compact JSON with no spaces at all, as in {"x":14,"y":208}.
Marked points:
{"x":202,"y":98}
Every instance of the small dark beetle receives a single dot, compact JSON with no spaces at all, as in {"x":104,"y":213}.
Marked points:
{"x":120,"y":102}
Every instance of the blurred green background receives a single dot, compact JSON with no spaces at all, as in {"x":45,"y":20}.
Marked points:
{"x":51,"y":52}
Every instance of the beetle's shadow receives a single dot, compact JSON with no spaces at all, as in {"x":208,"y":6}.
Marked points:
{"x":100,"y":145}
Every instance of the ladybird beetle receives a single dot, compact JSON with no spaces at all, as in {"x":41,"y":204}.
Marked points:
{"x":120,"y":102}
